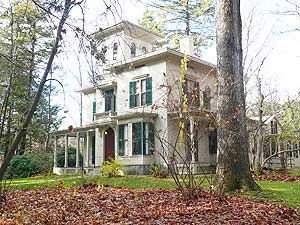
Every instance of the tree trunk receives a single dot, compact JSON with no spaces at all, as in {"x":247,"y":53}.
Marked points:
{"x":20,"y":133}
{"x":259,"y":150}
{"x":233,"y":170}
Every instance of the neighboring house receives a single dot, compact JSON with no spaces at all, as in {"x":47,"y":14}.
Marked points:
{"x":130,"y":104}
{"x":272,"y":142}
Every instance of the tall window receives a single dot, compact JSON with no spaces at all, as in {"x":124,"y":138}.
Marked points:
{"x":144,"y":50}
{"x":142,"y":138}
{"x":295,"y":148}
{"x":110,"y":101}
{"x":115,"y":51}
{"x":192,"y":91}
{"x":140,"y":92}
{"x":132,"y":50}
{"x":137,"y":138}
{"x":212,"y":142}
{"x":274,"y":128}
{"x":123,"y":140}
{"x":206,"y":98}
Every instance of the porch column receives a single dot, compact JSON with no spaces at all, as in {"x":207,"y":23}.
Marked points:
{"x":66,"y":151}
{"x":130,"y":145}
{"x":77,"y":149}
{"x":55,"y":153}
{"x":87,"y":148}
{"x":98,"y":148}
{"x":192,"y":138}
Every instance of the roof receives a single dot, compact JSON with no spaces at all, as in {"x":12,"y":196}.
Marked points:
{"x":266,"y":119}
{"x":159,"y":54}
{"x":123,"y":25}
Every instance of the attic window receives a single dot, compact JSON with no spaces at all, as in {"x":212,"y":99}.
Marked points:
{"x":144,"y":50}
{"x":115,"y":51}
{"x":132,"y":50}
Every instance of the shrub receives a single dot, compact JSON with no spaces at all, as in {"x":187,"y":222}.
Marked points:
{"x":156,"y":171}
{"x":112,"y":168}
{"x":29,"y":164}
{"x":71,"y":157}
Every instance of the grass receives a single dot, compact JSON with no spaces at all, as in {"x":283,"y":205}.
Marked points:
{"x":278,"y":192}
{"x":286,"y":193}
{"x":75,"y":180}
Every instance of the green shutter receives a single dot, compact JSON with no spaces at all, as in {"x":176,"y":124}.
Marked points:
{"x":131,"y":94}
{"x":144,"y":137}
{"x":94,"y":107}
{"x":120,"y":140}
{"x":149,"y":91}
{"x":113,"y":103}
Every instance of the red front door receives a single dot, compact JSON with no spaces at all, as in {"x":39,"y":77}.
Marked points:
{"x":109,"y":144}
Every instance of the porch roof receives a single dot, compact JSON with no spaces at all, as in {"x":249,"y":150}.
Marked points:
{"x":91,"y":127}
{"x":75,"y":130}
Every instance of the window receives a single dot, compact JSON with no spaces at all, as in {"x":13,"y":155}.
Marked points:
{"x":144,"y":50}
{"x":140,"y":92}
{"x":192,"y":90}
{"x":115,"y":51}
{"x":274,"y":129}
{"x":142,"y":138}
{"x":148,"y":138}
{"x":295,"y":148}
{"x":123,"y":140}
{"x":137,"y":138}
{"x":110,"y":101}
{"x":212,"y":142}
{"x":206,"y":98}
{"x":132,"y":50}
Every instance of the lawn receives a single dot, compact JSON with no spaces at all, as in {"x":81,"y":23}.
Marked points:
{"x":142,"y":200}
{"x":286,"y":193}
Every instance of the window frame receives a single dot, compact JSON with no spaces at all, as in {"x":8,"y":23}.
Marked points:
{"x":132,"y":50}
{"x":112,"y":98}
{"x":139,"y":95}
{"x":123,"y":140}
{"x":115,"y":50}
{"x":189,"y":91}
{"x":145,"y":141}
{"x":144,"y":50}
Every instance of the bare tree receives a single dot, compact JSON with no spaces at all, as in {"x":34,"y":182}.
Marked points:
{"x":68,"y":4}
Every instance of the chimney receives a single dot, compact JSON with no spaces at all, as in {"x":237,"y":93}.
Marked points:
{"x":187,"y":45}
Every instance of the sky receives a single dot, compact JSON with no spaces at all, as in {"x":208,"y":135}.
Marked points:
{"x":271,"y":36}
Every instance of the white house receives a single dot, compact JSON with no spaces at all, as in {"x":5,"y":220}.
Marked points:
{"x":272,"y":143}
{"x":130,"y":109}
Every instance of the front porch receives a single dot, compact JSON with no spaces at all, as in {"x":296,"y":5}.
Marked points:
{"x":126,"y":139}
{"x":89,"y":142}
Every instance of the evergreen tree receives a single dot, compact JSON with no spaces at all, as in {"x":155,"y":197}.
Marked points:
{"x":179,"y":18}
{"x":24,"y":41}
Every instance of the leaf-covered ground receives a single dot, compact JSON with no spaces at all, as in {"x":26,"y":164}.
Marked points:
{"x":103,"y":205}
{"x":278,"y":176}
